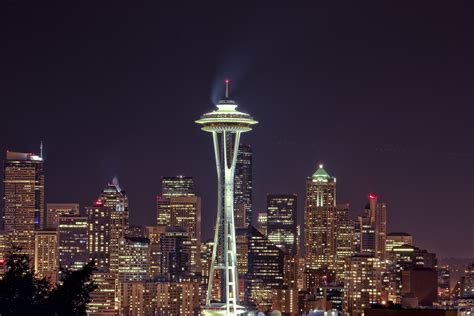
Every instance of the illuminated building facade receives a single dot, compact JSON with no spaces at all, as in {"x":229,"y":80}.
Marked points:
{"x":46,"y":254}
{"x":320,"y":202}
{"x":133,"y":259}
{"x":184,"y":212}
{"x":177,"y":186}
{"x":98,"y":235}
{"x":154,"y":233}
{"x":23,"y":198}
{"x":55,"y":210}
{"x":177,"y":298}
{"x":114,"y":199}
{"x":72,"y":242}
{"x":243,"y":186}
{"x":226,"y":125}
{"x":372,"y":229}
{"x":281,"y":221}
{"x":362,"y":284}
{"x":103,"y":299}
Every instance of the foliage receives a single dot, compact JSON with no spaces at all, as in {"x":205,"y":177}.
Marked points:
{"x":21,"y":293}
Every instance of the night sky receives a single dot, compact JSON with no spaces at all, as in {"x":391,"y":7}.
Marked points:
{"x":379,"y":92}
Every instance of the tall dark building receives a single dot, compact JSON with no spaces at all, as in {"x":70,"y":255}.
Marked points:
{"x":23,"y":198}
{"x":72,"y":242}
{"x":266,"y":269}
{"x":175,"y":250}
{"x":281,"y":221}
{"x":243,"y":186}
{"x":177,"y":186}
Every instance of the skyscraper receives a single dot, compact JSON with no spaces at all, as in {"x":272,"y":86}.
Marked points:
{"x":379,"y":219}
{"x":226,"y":125}
{"x":134,"y":259}
{"x":397,"y":239}
{"x":23,"y":198}
{"x":175,"y":254}
{"x":281,"y":221}
{"x":56,"y":210}
{"x":243,"y":186}
{"x":320,"y":202}
{"x":114,"y":199}
{"x":72,"y":242}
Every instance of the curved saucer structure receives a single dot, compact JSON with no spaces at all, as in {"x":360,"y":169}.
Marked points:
{"x":225,"y":124}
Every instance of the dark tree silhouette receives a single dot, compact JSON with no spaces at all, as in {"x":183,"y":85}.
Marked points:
{"x":23,"y":294}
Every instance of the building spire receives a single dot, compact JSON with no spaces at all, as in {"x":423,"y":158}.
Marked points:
{"x":227,"y":88}
{"x":41,"y":149}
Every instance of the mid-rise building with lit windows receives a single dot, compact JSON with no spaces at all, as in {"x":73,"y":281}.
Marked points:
{"x":134,"y":259}
{"x":184,"y":212}
{"x":23,"y":198}
{"x":362,"y":284}
{"x":72,"y":242}
{"x":282,"y":221}
{"x":177,"y":298}
{"x":46,"y":254}
{"x":98,"y":235}
{"x":55,"y":210}
{"x":444,"y":286}
{"x":262,"y":222}
{"x":154,"y":233}
{"x":103,"y":299}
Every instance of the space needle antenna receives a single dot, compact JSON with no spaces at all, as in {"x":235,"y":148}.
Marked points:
{"x":227,"y":88}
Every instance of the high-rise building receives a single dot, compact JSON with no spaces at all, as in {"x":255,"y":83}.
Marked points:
{"x":114,"y":199}
{"x":98,"y":235}
{"x":154,"y":233}
{"x":177,"y":186}
{"x":372,"y":228}
{"x":133,"y":259}
{"x":175,"y":254}
{"x":55,"y":210}
{"x":281,"y":221}
{"x":23,"y":198}
{"x":243,"y":186}
{"x":184,"y":212}
{"x":226,"y":125}
{"x":320,"y":201}
{"x":72,"y":242}
{"x":46,"y":254}
{"x":362,"y":284}
{"x":266,"y":269}
{"x":379,"y":218}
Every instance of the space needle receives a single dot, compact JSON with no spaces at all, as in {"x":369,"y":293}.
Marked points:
{"x":226,"y":124}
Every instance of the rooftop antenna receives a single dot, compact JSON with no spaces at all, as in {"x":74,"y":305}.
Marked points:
{"x":41,"y":149}
{"x":227,"y":88}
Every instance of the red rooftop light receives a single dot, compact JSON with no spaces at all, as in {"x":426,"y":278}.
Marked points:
{"x":372,"y":196}
{"x":98,"y":202}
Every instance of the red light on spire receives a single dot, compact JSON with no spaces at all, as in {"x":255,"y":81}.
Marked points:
{"x":98,"y":202}
{"x":227,"y":81}
{"x":372,"y":196}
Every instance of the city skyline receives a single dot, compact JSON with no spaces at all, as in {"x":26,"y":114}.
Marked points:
{"x":378,"y":124}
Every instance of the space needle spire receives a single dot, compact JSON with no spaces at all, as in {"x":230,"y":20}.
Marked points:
{"x":225,"y":124}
